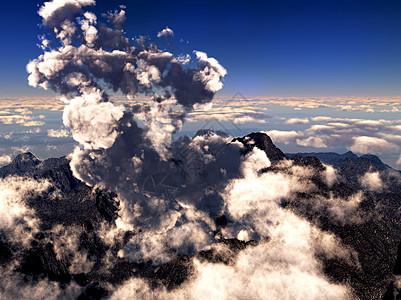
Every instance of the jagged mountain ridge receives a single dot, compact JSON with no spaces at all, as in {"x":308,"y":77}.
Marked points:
{"x":336,"y":159}
{"x":375,"y":242}
{"x":21,"y":164}
{"x":350,"y":166}
{"x":57,"y":170}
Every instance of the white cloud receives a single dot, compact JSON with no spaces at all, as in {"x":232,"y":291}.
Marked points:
{"x":25,"y":118}
{"x":5,"y":159}
{"x":93,"y":123}
{"x":284,"y":270}
{"x":184,"y":59}
{"x":212,"y":73}
{"x":311,"y":141}
{"x":33,"y":123}
{"x":60,"y":133}
{"x":358,"y":135}
{"x":61,"y":8}
{"x":321,"y":119}
{"x":166,"y":32}
{"x":330,"y":175}
{"x":247,"y":119}
{"x":294,"y":121}
{"x":374,"y":145}
{"x":15,"y":215}
{"x":90,"y":31}
{"x":371,"y":181}
{"x":286,"y":137}
{"x":344,"y":211}
{"x":15,"y":119}
{"x":237,"y":115}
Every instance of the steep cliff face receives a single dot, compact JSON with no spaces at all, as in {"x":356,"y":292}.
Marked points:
{"x":372,"y":234}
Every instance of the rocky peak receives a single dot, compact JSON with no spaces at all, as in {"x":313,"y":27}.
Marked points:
{"x":263,"y":142}
{"x":349,"y":154}
{"x":26,"y":157}
{"x":377,"y":161}
{"x":21,"y":164}
{"x":308,"y":161}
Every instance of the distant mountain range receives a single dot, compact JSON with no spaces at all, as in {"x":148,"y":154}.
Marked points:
{"x":375,"y":240}
{"x":336,"y":159}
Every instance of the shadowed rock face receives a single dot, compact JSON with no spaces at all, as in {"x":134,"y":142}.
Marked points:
{"x":56,"y":170}
{"x":375,"y":240}
{"x":338,"y":160}
{"x":20,"y":165}
{"x":263,"y":142}
{"x":351,"y":167}
{"x":326,"y":157}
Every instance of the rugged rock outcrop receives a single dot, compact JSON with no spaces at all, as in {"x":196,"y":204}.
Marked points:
{"x":263,"y":142}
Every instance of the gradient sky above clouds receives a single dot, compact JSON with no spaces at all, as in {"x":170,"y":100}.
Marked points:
{"x":297,"y":47}
{"x":269,"y":48}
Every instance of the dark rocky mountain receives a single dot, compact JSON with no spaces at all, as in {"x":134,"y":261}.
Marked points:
{"x":351,"y":167}
{"x":375,"y":240}
{"x":335,"y":159}
{"x":57,"y":170}
{"x":326,"y":157}
{"x":20,"y":165}
{"x":376,"y":160}
{"x":263,"y":142}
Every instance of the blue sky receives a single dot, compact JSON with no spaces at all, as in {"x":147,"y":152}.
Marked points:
{"x":315,"y":75}
{"x":298,"y":47}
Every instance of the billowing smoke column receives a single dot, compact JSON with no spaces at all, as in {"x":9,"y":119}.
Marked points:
{"x":92,"y":60}
{"x":171,"y":192}
{"x":86,"y":62}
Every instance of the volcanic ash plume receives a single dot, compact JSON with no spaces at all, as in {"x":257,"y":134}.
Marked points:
{"x":171,"y":192}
